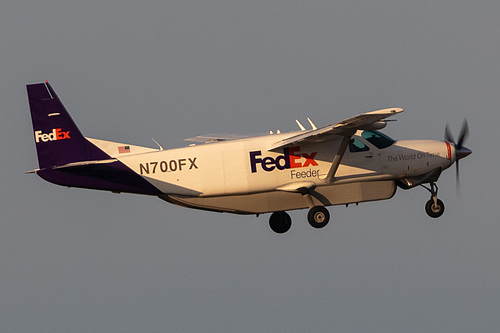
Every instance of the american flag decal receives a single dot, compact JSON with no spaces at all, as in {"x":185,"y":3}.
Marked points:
{"x":124,"y":149}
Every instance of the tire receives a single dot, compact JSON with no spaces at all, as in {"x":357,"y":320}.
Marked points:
{"x":280,"y":222}
{"x":433,"y":210}
{"x":318,"y":217}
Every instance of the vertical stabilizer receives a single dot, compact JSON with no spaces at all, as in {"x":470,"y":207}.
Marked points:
{"x":57,"y":138}
{"x":67,"y":158}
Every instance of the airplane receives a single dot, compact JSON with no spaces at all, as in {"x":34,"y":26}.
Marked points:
{"x":344,"y":163}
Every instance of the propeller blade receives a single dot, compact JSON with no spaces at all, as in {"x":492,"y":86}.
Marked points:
{"x":447,"y":134}
{"x":460,"y":151}
{"x":464,"y":133}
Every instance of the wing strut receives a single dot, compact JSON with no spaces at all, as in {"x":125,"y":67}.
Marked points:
{"x":336,"y":159}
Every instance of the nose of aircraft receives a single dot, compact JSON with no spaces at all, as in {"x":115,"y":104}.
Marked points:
{"x":462,"y":152}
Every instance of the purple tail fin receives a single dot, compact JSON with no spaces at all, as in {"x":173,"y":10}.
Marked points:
{"x":58,"y":140}
{"x":67,"y":158}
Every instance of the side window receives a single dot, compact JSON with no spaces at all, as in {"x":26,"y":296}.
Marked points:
{"x":356,"y":146}
{"x":377,"y":139}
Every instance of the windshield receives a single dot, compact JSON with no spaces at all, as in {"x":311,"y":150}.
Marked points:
{"x":377,"y":139}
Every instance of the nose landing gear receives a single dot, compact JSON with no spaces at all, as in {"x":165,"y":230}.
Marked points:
{"x":434,"y":207}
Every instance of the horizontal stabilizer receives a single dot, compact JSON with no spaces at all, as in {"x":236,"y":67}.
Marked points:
{"x":109,"y":175}
{"x":74,"y":164}
{"x":84,"y":163}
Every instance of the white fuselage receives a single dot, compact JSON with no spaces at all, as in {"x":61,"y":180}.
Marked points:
{"x":245,"y":168}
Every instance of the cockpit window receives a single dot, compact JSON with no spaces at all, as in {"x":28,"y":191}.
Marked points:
{"x":355,"y":146}
{"x":377,"y":139}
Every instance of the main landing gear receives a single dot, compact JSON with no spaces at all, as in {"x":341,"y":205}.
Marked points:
{"x":318,"y":217}
{"x":434,"y":207}
{"x":280,"y":222}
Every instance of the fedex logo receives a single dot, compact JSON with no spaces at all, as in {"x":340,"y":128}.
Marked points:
{"x":289,"y":160}
{"x":56,"y":134}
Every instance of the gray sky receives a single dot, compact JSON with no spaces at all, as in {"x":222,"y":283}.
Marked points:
{"x":75,"y":260}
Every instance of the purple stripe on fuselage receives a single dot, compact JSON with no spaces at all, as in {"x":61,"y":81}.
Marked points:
{"x":115,"y":177}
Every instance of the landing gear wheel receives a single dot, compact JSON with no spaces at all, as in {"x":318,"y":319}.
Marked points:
{"x":318,"y":216}
{"x":434,"y":207}
{"x":280,"y":222}
{"x":434,"y":210}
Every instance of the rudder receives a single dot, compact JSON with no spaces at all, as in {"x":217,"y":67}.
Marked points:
{"x":57,"y":138}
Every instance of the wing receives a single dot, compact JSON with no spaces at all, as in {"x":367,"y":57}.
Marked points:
{"x":216,"y":137}
{"x":343,"y":128}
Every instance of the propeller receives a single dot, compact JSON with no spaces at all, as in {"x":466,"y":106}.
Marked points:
{"x":460,"y":150}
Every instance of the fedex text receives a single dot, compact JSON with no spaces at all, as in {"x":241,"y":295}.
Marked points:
{"x":56,"y":134}
{"x":290,"y":159}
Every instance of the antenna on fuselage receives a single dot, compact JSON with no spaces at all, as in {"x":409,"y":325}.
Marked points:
{"x":161,"y":148}
{"x":312,"y":124}
{"x":302,"y":128}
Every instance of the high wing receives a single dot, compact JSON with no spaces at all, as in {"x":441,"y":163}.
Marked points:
{"x":343,"y":128}
{"x":216,"y":137}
